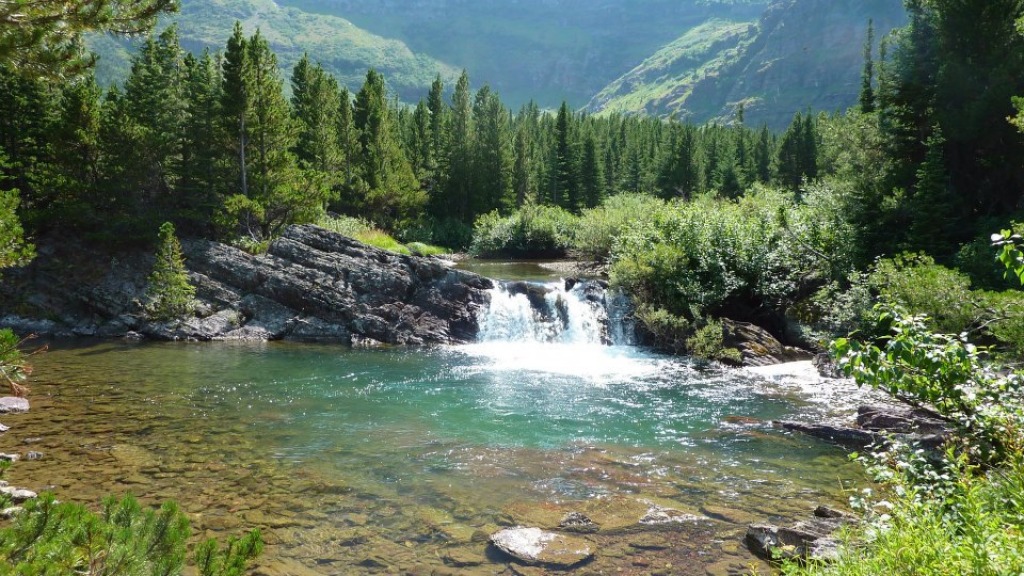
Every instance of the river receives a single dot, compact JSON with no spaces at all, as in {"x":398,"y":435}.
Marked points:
{"x":403,"y":460}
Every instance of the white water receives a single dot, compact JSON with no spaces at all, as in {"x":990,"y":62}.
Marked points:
{"x":561,"y":333}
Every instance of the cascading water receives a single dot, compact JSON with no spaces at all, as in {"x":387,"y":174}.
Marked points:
{"x":566,"y":313}
{"x":574,"y":328}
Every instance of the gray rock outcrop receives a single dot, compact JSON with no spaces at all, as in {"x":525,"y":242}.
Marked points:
{"x":312,"y":284}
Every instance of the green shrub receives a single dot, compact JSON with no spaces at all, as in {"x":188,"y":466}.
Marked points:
{"x":345,"y":225}
{"x":919,"y":285}
{"x":14,"y":368}
{"x":364,"y":232}
{"x":445,"y":232}
{"x":669,"y":330}
{"x":124,"y":539}
{"x":762,"y":251}
{"x":421,"y":249}
{"x":531,"y":231}
{"x":708,"y":343}
{"x":599,"y":227}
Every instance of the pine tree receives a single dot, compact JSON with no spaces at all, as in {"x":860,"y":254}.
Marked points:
{"x":933,"y":207}
{"x":45,"y":38}
{"x":565,"y":186}
{"x":390,"y":192}
{"x":170,"y":294}
{"x":492,"y":180}
{"x":154,"y":102}
{"x":14,"y":251}
{"x":591,"y":172}
{"x":867,"y":91}
{"x":522,"y":171}
{"x":460,"y":156}
{"x":235,"y":110}
{"x":201,"y":151}
{"x":347,"y":199}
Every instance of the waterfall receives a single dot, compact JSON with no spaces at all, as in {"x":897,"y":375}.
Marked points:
{"x":570,"y":312}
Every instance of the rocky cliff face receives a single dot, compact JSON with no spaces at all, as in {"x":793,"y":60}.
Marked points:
{"x":311,"y":285}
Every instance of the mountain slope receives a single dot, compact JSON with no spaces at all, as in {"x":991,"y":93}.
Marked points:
{"x":542,"y":50}
{"x":344,"y":49}
{"x":806,"y":54}
{"x":665,"y":81}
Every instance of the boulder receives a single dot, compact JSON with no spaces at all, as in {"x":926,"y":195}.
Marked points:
{"x":901,"y":419}
{"x":811,"y":539}
{"x":757,"y":346}
{"x":534,"y":546}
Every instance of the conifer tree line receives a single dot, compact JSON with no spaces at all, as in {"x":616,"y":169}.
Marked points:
{"x":215,"y":143}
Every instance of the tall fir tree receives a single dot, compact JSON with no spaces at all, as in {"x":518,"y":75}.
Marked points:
{"x":390,"y":192}
{"x":203,"y":160}
{"x":867,"y":90}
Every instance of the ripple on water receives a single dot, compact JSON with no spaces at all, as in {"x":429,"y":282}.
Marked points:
{"x":380,"y":461}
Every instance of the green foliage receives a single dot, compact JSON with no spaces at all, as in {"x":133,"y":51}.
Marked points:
{"x":14,"y":367}
{"x":917,"y":284}
{"x":707,"y":343}
{"x":694,"y":258}
{"x":960,"y":512}
{"x":124,"y":539}
{"x":14,"y":251}
{"x":170,"y":294}
{"x":669,"y":330}
{"x":39,"y":37}
{"x":946,"y":372}
{"x":978,"y":529}
{"x":599,"y":227}
{"x":366,"y":233}
{"x":1011,"y":254}
{"x":539,"y":231}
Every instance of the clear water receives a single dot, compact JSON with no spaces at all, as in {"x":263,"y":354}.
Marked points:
{"x":399,"y":460}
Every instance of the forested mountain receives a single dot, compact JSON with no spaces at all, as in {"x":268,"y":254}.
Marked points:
{"x":542,"y":50}
{"x":801,"y":54}
{"x":345,"y":50}
{"x":694,"y":58}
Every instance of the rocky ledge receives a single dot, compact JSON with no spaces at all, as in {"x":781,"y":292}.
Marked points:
{"x":312,"y":284}
{"x":878,"y":424}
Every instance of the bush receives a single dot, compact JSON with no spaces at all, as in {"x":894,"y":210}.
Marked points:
{"x":760,"y":252}
{"x":669,"y":330}
{"x":599,"y":227}
{"x":446,"y":232}
{"x":919,"y":285}
{"x":124,"y":539}
{"x":708,"y":343}
{"x":364,"y":232}
{"x":533,"y":231}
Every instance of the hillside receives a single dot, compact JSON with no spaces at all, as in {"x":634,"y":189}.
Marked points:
{"x":802,"y":54}
{"x":542,"y":50}
{"x":344,"y":49}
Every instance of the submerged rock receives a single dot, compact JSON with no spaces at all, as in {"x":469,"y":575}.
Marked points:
{"x":811,"y":539}
{"x":536,"y":547}
{"x":13,"y":405}
{"x":578,"y":522}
